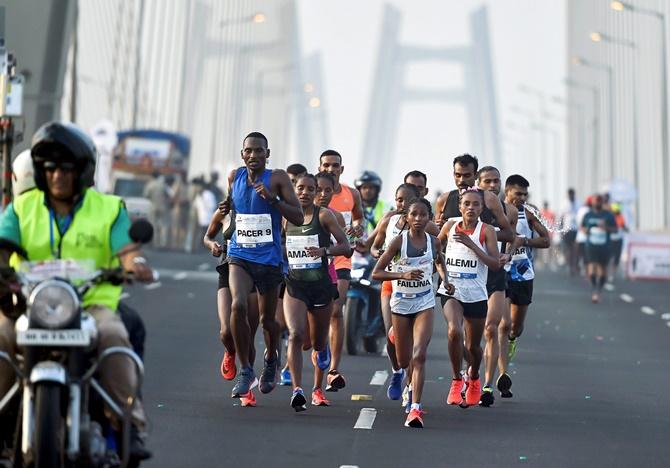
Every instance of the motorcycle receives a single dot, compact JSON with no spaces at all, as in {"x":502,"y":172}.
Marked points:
{"x":60,"y":422}
{"x":362,"y":310}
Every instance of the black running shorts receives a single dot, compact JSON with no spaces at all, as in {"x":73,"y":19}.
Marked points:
{"x":343,"y":274}
{"x":496,"y":281}
{"x":265,"y":277}
{"x":315,"y":294}
{"x":597,"y":254}
{"x":223,"y":275}
{"x":472,"y":310}
{"x":520,"y":292}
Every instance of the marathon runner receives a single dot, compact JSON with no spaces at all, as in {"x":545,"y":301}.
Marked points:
{"x":347,"y":201}
{"x":471,"y":250}
{"x":260,"y":197}
{"x":419,"y":180}
{"x":223,"y":300}
{"x":309,"y":295}
{"x":616,"y":238}
{"x":520,"y":274}
{"x":412,"y":256}
{"x":598,"y":225}
{"x":488,"y":178}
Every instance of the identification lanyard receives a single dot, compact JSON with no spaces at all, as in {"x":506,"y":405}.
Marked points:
{"x":66,"y":225}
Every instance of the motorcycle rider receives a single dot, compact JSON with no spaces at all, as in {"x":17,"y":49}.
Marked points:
{"x":83,"y":225}
{"x":369,"y":184}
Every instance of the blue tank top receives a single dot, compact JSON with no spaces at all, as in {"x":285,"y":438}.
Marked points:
{"x":257,"y":236}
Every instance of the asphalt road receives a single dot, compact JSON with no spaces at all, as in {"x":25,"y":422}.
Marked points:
{"x":589,"y":389}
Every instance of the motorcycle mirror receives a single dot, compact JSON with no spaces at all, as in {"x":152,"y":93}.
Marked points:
{"x":141,"y":231}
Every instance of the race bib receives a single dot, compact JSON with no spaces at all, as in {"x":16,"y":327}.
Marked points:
{"x":520,"y":253}
{"x":461,"y":262}
{"x":298,"y":258}
{"x":597,"y":236}
{"x":347,"y":218}
{"x":253,"y":230}
{"x":414,"y":288}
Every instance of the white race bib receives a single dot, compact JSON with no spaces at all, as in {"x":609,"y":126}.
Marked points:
{"x":461,"y":261}
{"x":520,"y":253}
{"x":347,"y":218}
{"x":253,"y":230}
{"x":298,"y":258}
{"x":412,"y":288}
{"x":597,"y":236}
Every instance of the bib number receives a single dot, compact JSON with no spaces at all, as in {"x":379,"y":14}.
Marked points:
{"x":298,"y":258}
{"x":253,"y":230}
{"x":597,"y":236}
{"x":410,"y":289}
{"x":461,"y":261}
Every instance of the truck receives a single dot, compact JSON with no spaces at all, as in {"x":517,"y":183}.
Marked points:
{"x":139,"y":155}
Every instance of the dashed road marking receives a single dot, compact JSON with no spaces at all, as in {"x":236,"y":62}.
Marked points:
{"x":647,"y":310}
{"x":348,"y":466}
{"x":151,"y":286}
{"x":379,"y":378}
{"x":181,"y":275}
{"x":609,"y":287}
{"x":366,"y":418}
{"x":666,"y":316}
{"x":626,"y":298}
{"x":203,"y":266}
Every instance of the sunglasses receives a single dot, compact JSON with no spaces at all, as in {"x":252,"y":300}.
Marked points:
{"x":51,"y":166}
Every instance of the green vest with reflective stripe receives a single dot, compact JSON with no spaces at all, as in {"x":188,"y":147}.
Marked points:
{"x":87,"y":238}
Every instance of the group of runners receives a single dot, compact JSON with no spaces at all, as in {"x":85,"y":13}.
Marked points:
{"x":288,"y":238}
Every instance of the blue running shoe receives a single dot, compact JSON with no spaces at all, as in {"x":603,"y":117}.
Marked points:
{"x":298,"y":400}
{"x":285,"y":377}
{"x":323,"y":358}
{"x":269,"y":375}
{"x":394,"y":391}
{"x":246,"y":380}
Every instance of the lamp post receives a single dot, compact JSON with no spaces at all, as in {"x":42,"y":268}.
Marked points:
{"x":620,"y":7}
{"x":579,"y":61}
{"x":604,"y":38}
{"x":596,"y":122}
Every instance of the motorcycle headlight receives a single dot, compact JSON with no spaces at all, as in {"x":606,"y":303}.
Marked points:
{"x":53,"y":304}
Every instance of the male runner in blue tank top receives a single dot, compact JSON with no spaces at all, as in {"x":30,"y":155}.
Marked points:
{"x":260,"y":198}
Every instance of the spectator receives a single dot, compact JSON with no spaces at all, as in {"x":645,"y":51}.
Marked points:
{"x":160,"y":196}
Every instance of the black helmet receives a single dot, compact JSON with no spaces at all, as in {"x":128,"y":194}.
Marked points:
{"x":63,"y":141}
{"x":369,"y":177}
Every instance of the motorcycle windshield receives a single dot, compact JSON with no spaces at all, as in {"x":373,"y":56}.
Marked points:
{"x":71,"y":270}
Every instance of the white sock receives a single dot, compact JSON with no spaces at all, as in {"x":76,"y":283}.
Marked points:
{"x":416,"y":406}
{"x":399,"y":371}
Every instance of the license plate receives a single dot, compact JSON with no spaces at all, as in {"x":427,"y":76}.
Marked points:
{"x":38,"y":337}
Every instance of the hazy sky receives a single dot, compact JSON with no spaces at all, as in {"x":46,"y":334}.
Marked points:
{"x":528,"y":42}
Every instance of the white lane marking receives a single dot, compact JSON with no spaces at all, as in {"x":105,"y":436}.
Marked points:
{"x":626,"y":298}
{"x":124,"y":295}
{"x":379,"y":378}
{"x":366,"y":419}
{"x":193,"y":275}
{"x":348,"y":466}
{"x":666,"y":316}
{"x":647,"y":310}
{"x":667,"y":323}
{"x":181,"y":275}
{"x":203,"y":266}
{"x":609,"y":287}
{"x":151,"y":286}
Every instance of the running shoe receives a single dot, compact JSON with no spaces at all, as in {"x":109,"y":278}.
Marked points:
{"x":391,"y":336}
{"x":415,"y":419}
{"x":319,"y":399}
{"x":455,"y":397}
{"x":246,"y":380}
{"x":394,"y":391}
{"x":486,"y":398}
{"x":269,"y":375}
{"x":406,"y":396}
{"x":466,"y":378}
{"x":595,"y":298}
{"x":228,"y":368}
{"x":504,"y":383}
{"x":408,"y":405}
{"x":335,"y":381}
{"x":285,"y":376}
{"x":321,"y":359}
{"x":511,"y":352}
{"x":473,"y":393}
{"x":298,"y":401}
{"x":248,"y":400}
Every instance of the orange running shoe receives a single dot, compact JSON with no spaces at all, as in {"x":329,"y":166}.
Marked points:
{"x":391,"y":336}
{"x":249,"y":399}
{"x":455,"y":397}
{"x":319,"y":399}
{"x":228,"y":368}
{"x":415,"y":419}
{"x":474,"y":392}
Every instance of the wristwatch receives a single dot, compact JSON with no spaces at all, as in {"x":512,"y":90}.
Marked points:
{"x":275,"y":200}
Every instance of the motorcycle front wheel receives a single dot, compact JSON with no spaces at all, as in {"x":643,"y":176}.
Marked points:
{"x":49,"y":432}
